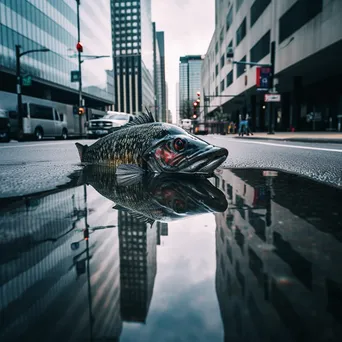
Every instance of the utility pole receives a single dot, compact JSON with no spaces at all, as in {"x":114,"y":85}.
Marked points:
{"x":79,"y":50}
{"x":271,"y":122}
{"x":19,"y":54}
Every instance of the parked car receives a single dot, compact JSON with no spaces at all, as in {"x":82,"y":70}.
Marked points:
{"x":107,"y":124}
{"x":5,"y":127}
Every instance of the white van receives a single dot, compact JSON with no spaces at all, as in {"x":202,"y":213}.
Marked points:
{"x":186,"y":124}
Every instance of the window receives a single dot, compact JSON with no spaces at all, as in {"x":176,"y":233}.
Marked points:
{"x":216,"y":47}
{"x":41,"y":112}
{"x":222,"y":61}
{"x":261,"y":48}
{"x":241,"y":68}
{"x":241,"y":32}
{"x":216,"y":91}
{"x":229,"y":78}
{"x":221,"y":36}
{"x":222,"y":86}
{"x":238,"y":5}
{"x":257,"y":9}
{"x":229,"y":18}
{"x":216,"y":69}
{"x":297,"y":16}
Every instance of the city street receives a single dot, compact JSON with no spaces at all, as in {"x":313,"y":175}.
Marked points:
{"x":38,"y":166}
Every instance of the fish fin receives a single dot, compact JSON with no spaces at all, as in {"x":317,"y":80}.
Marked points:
{"x":119,"y":207}
{"x":140,"y":119}
{"x":81,"y":150}
{"x":129,"y":174}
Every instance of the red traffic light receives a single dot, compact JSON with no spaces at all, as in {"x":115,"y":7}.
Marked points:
{"x":198,"y":94}
{"x":194,"y":116}
{"x":79,"y":47}
{"x":195,"y":103}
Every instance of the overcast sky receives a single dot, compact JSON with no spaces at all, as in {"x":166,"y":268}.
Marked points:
{"x":188,"y":27}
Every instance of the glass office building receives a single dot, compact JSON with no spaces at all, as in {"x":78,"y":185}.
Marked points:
{"x":133,"y":55}
{"x":189,"y":83}
{"x":51,"y":24}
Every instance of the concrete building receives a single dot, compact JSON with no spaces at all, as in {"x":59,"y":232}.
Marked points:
{"x":53,"y":25}
{"x":161,"y":44}
{"x":189,"y":83}
{"x":177,"y":104}
{"x":132,"y":36}
{"x":308,"y":44}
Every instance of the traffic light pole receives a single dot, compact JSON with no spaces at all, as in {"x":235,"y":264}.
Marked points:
{"x":80,"y":102}
{"x":19,"y":54}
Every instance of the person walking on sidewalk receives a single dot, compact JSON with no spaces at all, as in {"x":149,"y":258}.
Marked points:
{"x":247,"y":128}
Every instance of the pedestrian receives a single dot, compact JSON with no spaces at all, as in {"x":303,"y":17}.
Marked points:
{"x":247,"y":128}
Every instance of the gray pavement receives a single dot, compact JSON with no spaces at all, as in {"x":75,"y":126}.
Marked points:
{"x":31,"y":167}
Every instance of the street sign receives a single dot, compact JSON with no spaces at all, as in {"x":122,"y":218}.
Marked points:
{"x":27,"y":81}
{"x":263,"y":78}
{"x":75,"y":76}
{"x":270,"y":173}
{"x":272,"y":98}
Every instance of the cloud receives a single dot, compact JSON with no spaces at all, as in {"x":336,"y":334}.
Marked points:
{"x":188,"y":27}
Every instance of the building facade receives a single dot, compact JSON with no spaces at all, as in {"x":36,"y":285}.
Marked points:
{"x":161,"y":44}
{"x":307,"y":36}
{"x":132,"y":35}
{"x":189,"y":83}
{"x":157,"y":77}
{"x":52,"y":25}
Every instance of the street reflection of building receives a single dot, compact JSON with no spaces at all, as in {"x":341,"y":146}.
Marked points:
{"x":138,"y":249}
{"x":47,"y":290}
{"x":278,"y":274}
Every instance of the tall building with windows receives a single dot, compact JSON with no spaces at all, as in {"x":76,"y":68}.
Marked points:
{"x":157,"y":77}
{"x":189,"y":83}
{"x":307,"y":40}
{"x":132,"y":35}
{"x":52,"y":25}
{"x":161,"y":45}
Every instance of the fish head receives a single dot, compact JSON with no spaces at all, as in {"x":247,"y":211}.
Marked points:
{"x":180,"y":152}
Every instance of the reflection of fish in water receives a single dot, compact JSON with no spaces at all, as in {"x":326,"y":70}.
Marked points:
{"x":146,"y":145}
{"x":152,"y":198}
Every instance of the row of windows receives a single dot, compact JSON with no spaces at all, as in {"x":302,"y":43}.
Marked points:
{"x":129,"y":44}
{"x":126,"y":4}
{"x":128,"y":51}
{"x":126,"y":24}
{"x":128,"y":11}
{"x":127,"y":17}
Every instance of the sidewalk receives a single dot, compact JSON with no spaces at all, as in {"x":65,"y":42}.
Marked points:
{"x":313,"y":137}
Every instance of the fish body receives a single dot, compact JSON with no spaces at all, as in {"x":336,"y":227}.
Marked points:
{"x":155,"y":147}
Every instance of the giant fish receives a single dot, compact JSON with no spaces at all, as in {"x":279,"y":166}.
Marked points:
{"x":155,"y":197}
{"x":146,"y":145}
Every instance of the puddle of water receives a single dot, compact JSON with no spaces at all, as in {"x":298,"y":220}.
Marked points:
{"x":245,"y":256}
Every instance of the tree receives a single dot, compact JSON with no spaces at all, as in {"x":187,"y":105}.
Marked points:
{"x":186,"y":109}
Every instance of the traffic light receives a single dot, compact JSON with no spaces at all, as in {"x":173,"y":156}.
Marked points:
{"x":86,"y":234}
{"x":198,"y":97}
{"x":79,"y":47}
{"x":81,"y":110}
{"x":195,"y":104}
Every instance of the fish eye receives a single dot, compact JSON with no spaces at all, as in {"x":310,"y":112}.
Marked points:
{"x":179,"y":144}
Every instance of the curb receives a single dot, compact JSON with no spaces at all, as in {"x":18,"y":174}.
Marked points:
{"x":307,"y":140}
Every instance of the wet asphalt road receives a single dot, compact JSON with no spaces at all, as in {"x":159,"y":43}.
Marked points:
{"x":37,"y":166}
{"x":239,"y":257}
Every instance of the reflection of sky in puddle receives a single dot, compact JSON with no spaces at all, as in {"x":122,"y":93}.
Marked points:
{"x":267,"y":267}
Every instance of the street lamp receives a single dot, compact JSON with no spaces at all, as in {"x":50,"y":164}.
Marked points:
{"x":19,"y":54}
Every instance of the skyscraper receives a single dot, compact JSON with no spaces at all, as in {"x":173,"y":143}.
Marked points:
{"x":132,"y":36}
{"x":189,"y":83}
{"x":157,"y":77}
{"x":161,"y":45}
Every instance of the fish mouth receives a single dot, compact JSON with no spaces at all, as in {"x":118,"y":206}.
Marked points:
{"x":205,"y":162}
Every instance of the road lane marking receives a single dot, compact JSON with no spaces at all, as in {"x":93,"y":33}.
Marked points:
{"x":290,"y":146}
